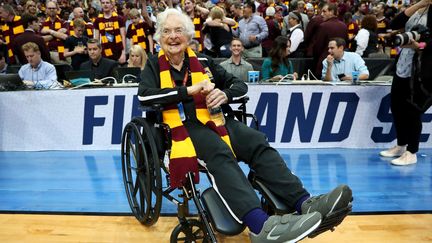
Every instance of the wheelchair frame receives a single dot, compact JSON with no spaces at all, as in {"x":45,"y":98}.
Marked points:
{"x":142,"y":160}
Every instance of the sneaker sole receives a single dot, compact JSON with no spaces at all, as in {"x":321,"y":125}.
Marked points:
{"x":390,"y":156}
{"x":306,"y":233}
{"x":330,"y":221}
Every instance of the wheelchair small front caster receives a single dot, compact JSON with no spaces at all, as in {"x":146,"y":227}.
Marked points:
{"x":189,"y":231}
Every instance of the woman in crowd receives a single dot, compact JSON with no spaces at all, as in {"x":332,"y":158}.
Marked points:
{"x":367,"y":37}
{"x":219,"y":32}
{"x":137,"y":57}
{"x":407,"y":104}
{"x":277,"y":65}
{"x":296,"y":35}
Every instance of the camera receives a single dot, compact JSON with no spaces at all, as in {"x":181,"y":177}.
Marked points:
{"x":418,"y":33}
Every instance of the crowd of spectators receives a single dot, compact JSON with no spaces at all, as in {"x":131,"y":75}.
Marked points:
{"x":61,"y":30}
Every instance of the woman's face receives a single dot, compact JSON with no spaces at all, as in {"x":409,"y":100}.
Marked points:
{"x":292,"y":22}
{"x":135,"y":59}
{"x":135,"y":20}
{"x":173,"y":37}
{"x":188,"y":6}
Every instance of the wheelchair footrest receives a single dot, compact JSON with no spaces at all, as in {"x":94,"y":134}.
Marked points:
{"x":222,"y":221}
{"x":331,"y":221}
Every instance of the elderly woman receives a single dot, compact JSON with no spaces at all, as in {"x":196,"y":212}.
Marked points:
{"x":188,"y":86}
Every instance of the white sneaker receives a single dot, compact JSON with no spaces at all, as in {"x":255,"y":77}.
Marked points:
{"x":396,"y":151}
{"x":407,"y":158}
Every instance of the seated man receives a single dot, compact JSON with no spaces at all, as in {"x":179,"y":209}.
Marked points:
{"x":188,"y":86}
{"x":236,"y":65}
{"x":37,"y":73}
{"x":102,"y":67}
{"x":339,"y":64}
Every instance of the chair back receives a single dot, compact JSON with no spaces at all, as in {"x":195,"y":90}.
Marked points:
{"x":61,"y":69}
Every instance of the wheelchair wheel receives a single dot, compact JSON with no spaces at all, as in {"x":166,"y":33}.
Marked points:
{"x":141,"y":172}
{"x":189,"y":231}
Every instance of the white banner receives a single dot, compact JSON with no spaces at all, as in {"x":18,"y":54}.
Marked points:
{"x":292,"y":116}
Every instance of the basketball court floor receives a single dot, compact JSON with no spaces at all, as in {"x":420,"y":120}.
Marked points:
{"x":78,"y":196}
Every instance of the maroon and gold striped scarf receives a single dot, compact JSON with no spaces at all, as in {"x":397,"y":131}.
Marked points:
{"x":183,"y":158}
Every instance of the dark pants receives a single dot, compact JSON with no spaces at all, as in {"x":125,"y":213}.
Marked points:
{"x":251,"y":147}
{"x":407,"y":119}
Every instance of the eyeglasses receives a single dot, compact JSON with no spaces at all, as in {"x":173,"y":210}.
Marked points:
{"x":176,"y":31}
{"x":52,"y":8}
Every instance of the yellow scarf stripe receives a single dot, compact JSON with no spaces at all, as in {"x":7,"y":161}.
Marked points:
{"x":172,"y":118}
{"x":227,"y":140}
{"x":182,"y":149}
{"x":166,"y":81}
{"x":203,"y":115}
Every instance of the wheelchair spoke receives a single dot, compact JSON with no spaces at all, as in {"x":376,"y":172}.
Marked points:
{"x":182,"y":239}
{"x":135,"y":188}
{"x":198,"y":233}
{"x":142,"y":203}
{"x":132,"y":147}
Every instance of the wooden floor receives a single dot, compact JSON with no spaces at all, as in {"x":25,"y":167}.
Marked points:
{"x":66,"y":228}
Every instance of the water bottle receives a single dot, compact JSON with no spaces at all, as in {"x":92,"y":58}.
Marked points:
{"x":217,"y":116}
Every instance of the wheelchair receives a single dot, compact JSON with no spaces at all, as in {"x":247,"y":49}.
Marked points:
{"x":145,"y":150}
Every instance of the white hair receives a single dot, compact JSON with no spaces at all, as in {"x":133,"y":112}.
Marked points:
{"x":185,"y":20}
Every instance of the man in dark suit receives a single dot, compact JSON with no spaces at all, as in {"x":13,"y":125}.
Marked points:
{"x":32,"y":26}
{"x":101,"y":67}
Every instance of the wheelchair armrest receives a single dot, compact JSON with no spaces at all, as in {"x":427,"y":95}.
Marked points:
{"x":154,"y":107}
{"x":241,"y":100}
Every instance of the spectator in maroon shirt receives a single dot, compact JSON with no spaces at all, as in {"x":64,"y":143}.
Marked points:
{"x":312,"y":30}
{"x":274,"y":30}
{"x":330,"y":28}
{"x":32,"y":25}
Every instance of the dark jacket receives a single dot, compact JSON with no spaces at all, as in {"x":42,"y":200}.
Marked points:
{"x":103,"y":69}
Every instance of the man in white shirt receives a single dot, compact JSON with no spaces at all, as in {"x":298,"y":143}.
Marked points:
{"x":339,"y":64}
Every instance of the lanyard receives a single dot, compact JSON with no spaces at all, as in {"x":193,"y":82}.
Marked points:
{"x":184,"y":79}
{"x":180,"y":104}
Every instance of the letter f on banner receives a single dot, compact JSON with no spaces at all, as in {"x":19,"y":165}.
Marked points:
{"x":90,"y":121}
